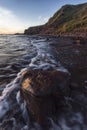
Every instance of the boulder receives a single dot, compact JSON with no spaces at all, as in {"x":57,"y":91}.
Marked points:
{"x":44,"y":92}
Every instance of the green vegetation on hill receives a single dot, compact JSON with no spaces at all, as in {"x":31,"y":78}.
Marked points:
{"x":70,"y":18}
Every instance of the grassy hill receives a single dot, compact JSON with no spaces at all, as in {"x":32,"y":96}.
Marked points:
{"x":70,"y":18}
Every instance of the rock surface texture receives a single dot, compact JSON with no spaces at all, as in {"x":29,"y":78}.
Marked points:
{"x":44,"y":92}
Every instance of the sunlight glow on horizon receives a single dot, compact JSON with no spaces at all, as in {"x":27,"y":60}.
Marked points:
{"x":18,"y":15}
{"x":9,"y":23}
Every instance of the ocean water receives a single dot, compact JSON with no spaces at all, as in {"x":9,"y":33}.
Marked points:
{"x":17,"y":53}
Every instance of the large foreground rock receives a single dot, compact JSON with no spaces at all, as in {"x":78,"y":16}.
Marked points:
{"x":44,"y":92}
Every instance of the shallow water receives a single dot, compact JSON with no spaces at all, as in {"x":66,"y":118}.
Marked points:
{"x":16,"y":54}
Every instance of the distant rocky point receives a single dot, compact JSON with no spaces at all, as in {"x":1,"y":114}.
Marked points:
{"x":34,"y":30}
{"x":18,"y":33}
{"x":68,"y":19}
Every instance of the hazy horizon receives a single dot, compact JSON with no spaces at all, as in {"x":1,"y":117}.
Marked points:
{"x":17,"y":15}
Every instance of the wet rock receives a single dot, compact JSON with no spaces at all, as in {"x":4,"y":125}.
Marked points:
{"x":80,"y":40}
{"x":44,"y":92}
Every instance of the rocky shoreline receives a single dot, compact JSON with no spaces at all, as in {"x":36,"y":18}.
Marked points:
{"x":46,"y":92}
{"x":50,"y":99}
{"x":73,"y":56}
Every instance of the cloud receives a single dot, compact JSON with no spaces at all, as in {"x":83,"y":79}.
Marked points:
{"x":9,"y":23}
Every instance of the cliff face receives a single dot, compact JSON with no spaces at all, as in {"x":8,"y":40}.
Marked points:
{"x":70,"y":18}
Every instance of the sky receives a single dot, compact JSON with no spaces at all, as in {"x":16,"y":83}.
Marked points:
{"x":17,"y":15}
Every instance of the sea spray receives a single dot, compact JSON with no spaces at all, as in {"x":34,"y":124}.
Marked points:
{"x":11,"y":103}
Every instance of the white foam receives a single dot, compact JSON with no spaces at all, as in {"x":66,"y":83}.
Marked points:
{"x":18,"y":98}
{"x":25,"y":113}
{"x":61,"y":68}
{"x":36,"y":127}
{"x":8,"y":90}
{"x":54,"y":125}
{"x":14,"y":121}
{"x":77,"y":118}
{"x":4,"y":107}
{"x":43,"y":59}
{"x":63,"y":124}
{"x":85,"y":81}
{"x":25,"y":128}
{"x":5,"y":100}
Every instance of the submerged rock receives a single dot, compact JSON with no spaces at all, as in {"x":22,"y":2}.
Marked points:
{"x":44,"y":92}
